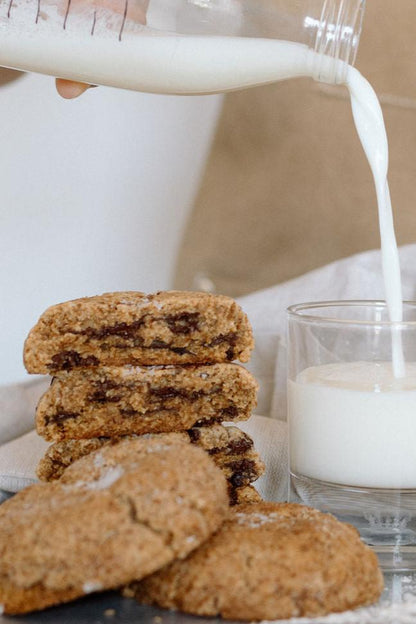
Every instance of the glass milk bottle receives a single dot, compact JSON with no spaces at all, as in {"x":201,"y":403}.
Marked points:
{"x":181,"y":46}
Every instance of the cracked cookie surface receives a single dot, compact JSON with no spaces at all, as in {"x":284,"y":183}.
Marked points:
{"x":122,"y":400}
{"x":170,"y":327}
{"x":118,"y":514}
{"x":270,"y":561}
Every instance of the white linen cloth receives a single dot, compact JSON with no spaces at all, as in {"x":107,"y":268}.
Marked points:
{"x":17,"y":406}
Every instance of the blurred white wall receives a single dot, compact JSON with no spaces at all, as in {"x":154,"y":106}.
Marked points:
{"x":94,"y":195}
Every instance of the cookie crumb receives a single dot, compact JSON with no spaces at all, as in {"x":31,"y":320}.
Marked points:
{"x":157,"y":619}
{"x":109,"y":612}
{"x":90,"y":587}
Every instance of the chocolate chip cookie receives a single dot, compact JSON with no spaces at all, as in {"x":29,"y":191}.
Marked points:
{"x":229,"y":447}
{"x":116,"y":515}
{"x":270,"y":561}
{"x":121,"y":400}
{"x":121,"y":328}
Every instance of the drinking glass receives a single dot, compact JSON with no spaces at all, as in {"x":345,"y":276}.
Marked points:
{"x":352,"y":420}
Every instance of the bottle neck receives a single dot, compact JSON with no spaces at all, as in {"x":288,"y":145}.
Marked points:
{"x":337,"y":38}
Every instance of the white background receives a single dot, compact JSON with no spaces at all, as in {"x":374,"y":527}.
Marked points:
{"x":94,"y":196}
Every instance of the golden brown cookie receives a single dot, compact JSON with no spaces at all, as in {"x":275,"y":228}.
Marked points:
{"x":230,"y":448}
{"x":116,"y":515}
{"x":270,"y":561}
{"x":121,"y":400}
{"x":115,"y":329}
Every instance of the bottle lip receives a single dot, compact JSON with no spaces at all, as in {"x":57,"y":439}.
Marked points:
{"x":337,"y":39}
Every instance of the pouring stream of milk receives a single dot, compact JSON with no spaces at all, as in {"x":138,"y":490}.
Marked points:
{"x":371,"y":130}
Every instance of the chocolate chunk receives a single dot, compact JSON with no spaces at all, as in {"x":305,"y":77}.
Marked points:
{"x":233,"y":495}
{"x":234,"y":447}
{"x":194,"y":435}
{"x":123,"y":330}
{"x":65,"y":360}
{"x":207,"y":422}
{"x":183,"y":323}
{"x":230,"y":354}
{"x":129,"y":412}
{"x":166,"y":392}
{"x":244,"y":471}
{"x":179,"y":350}
{"x":231,"y":411}
{"x":231,"y":338}
{"x":237,"y":447}
{"x":215,"y":450}
{"x":60,"y":417}
{"x":160,"y":344}
{"x":101,"y":393}
{"x":169,"y":392}
{"x":100,"y":396}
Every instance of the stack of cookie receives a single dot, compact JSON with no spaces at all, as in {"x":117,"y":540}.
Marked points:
{"x":129,"y":364}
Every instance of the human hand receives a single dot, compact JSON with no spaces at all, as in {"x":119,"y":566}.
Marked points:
{"x":136,"y":11}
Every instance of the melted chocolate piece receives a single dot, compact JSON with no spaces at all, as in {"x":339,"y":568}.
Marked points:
{"x":166,"y":392}
{"x":100,"y":394}
{"x":194,"y":435}
{"x":183,"y":323}
{"x":244,"y":472}
{"x":123,"y":330}
{"x":160,"y":344}
{"x":233,"y":496}
{"x":230,"y":354}
{"x":65,"y":360}
{"x":169,"y":392}
{"x":231,"y":338}
{"x":207,"y":422}
{"x":231,"y":411}
{"x":128,"y":412}
{"x":235,"y":447}
{"x":61,"y":417}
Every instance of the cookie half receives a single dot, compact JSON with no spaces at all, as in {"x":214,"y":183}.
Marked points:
{"x":121,"y":400}
{"x":116,"y":515}
{"x":171,"y":327}
{"x":270,"y":561}
{"x":244,"y":494}
{"x":229,"y":447}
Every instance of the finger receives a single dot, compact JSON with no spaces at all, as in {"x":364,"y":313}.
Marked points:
{"x":69,"y":89}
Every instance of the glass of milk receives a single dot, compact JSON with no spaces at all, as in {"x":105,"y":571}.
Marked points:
{"x":352,"y":420}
